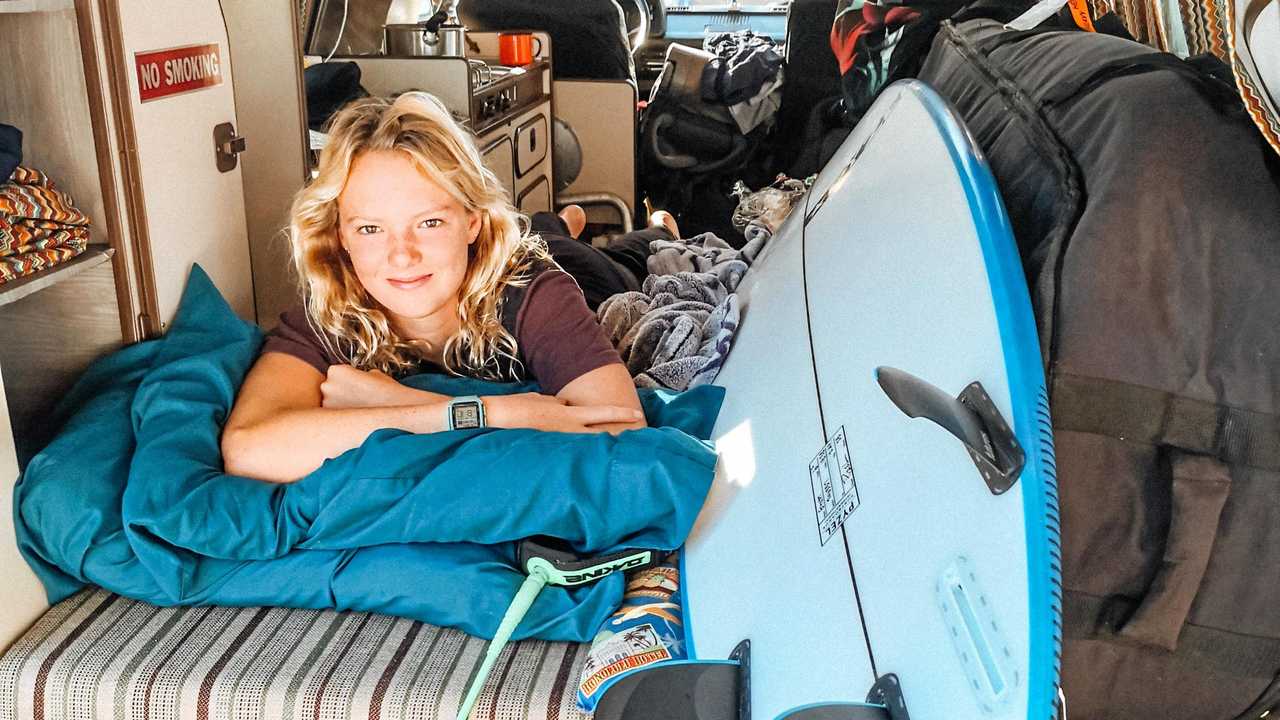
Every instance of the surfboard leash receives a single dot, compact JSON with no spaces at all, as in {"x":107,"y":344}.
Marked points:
{"x":546,"y":561}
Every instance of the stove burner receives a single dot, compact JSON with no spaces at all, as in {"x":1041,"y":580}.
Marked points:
{"x":499,"y":92}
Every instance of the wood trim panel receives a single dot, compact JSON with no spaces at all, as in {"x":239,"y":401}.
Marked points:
{"x":148,"y":319}
{"x":98,"y":102}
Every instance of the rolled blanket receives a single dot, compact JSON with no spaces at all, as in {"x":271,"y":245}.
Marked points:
{"x":131,"y":495}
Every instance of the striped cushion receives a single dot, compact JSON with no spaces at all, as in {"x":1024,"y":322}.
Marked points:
{"x":100,"y":655}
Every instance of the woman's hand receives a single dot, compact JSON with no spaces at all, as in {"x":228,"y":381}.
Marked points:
{"x":348,"y":387}
{"x":547,"y":412}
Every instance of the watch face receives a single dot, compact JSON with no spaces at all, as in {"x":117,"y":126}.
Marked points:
{"x":466,"y":416}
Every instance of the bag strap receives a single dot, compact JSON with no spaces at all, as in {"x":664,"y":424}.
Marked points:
{"x":1221,"y":96}
{"x":1090,"y":617}
{"x":1141,"y":414}
{"x":1198,"y":490}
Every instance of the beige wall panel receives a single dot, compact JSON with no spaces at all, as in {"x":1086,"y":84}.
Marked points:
{"x":50,"y":337}
{"x":271,"y":113}
{"x":446,"y":78}
{"x":602,"y":114}
{"x":47,"y":100}
{"x":21,"y":595}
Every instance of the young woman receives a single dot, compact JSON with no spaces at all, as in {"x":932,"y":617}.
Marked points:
{"x":411,"y":258}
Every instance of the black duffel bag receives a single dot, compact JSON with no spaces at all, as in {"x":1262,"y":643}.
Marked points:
{"x":1147,"y":210}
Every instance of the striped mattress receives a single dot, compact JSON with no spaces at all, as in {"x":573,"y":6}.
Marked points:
{"x":100,"y":655}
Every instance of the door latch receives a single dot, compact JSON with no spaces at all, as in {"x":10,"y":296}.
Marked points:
{"x":226,"y":146}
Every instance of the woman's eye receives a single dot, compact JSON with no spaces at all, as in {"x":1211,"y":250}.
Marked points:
{"x":431,"y":223}
{"x":367,"y":229}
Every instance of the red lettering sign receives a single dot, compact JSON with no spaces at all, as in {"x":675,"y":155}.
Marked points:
{"x":177,"y":70}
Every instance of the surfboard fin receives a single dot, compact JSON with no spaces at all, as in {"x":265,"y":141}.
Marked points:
{"x":972,"y":418}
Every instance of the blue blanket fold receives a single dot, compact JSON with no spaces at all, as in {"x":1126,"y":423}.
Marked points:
{"x":131,"y":496}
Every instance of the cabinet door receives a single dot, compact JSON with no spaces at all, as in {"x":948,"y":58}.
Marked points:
{"x":535,"y":198}
{"x":532,"y":140}
{"x":498,"y":157}
{"x":178,"y":69}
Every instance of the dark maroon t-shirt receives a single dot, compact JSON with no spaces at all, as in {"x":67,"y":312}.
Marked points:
{"x":557,"y":336}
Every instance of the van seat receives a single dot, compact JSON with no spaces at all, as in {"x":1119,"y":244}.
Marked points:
{"x":97,"y":654}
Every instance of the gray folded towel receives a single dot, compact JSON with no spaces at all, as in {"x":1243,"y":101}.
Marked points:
{"x":678,"y":365}
{"x":675,"y":333}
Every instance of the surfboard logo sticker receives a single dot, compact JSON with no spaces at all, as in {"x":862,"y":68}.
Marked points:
{"x":835,"y":490}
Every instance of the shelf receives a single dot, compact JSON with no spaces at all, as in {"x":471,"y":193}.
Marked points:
{"x":15,"y":290}
{"x":25,"y":6}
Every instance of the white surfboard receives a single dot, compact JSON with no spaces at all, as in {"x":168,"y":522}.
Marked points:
{"x":844,"y":539}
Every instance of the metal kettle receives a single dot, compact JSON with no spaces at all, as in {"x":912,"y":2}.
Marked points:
{"x":440,"y":36}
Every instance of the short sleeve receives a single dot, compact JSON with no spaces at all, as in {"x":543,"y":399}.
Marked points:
{"x":295,"y":336}
{"x":558,"y":336}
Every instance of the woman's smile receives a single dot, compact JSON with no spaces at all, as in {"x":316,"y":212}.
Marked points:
{"x":409,"y":283}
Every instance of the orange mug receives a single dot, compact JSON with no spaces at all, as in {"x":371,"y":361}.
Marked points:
{"x":517,"y":48}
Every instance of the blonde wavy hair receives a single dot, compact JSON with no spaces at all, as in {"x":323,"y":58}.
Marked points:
{"x":504,"y":254}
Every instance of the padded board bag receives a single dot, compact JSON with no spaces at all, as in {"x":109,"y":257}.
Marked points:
{"x":1147,"y":211}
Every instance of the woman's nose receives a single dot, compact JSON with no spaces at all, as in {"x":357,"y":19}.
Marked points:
{"x":403,"y":251}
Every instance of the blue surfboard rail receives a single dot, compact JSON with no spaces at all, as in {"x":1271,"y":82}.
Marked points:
{"x":1028,"y":395}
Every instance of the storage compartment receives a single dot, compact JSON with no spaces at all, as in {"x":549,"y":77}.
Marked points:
{"x":535,"y":198}
{"x":498,"y":158}
{"x":532,"y":139}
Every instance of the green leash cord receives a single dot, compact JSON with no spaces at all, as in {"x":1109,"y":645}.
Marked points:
{"x":546,"y":563}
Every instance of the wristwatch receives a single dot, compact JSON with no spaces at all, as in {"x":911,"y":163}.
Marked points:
{"x":464,"y":413}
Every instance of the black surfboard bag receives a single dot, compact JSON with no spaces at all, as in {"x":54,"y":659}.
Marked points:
{"x":1147,"y":212}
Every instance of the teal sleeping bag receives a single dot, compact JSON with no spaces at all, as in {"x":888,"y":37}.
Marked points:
{"x":131,"y":496}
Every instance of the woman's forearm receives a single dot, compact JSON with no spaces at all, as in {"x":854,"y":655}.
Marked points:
{"x":293,"y":443}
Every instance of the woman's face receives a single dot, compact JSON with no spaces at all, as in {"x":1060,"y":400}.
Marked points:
{"x":408,"y":240}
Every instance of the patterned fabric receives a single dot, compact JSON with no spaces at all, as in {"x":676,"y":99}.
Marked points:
{"x":1142,"y":18}
{"x":100,"y":655}
{"x":1263,"y":108}
{"x":1204,"y":26}
{"x":1208,"y":26}
{"x":39,"y":225}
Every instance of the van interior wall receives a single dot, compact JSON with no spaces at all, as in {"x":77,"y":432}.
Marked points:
{"x":271,"y":115}
{"x":361,"y":34}
{"x":602,"y":115}
{"x":21,"y":596}
{"x":409,"y":11}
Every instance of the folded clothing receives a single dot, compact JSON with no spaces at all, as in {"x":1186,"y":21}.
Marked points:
{"x":705,"y":253}
{"x":675,"y":332}
{"x":39,"y":225}
{"x":131,"y":496}
{"x":10,"y":150}
{"x":746,"y":75}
